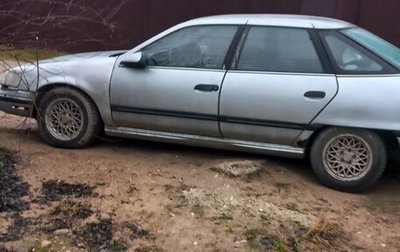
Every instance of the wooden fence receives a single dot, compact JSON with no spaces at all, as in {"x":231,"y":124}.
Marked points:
{"x":82,"y":25}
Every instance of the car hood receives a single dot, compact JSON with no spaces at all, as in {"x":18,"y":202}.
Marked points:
{"x":85,"y":56}
{"x":82,"y":69}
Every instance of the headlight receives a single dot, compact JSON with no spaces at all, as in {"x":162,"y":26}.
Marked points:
{"x":10,"y":78}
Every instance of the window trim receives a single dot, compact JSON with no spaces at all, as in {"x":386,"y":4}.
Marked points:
{"x":386,"y":67}
{"x":322,"y":53}
{"x":224,"y":63}
{"x":325,"y":63}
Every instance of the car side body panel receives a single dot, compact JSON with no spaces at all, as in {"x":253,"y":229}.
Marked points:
{"x":272,"y":107}
{"x":83,"y":73}
{"x":364,"y":102}
{"x":166,"y":99}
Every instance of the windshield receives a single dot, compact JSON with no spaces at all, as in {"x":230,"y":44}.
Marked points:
{"x":376,"y":44}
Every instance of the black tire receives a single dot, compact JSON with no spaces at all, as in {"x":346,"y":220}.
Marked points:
{"x":349,"y":160}
{"x":68,"y":118}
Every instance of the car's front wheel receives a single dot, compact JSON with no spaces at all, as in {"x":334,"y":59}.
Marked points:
{"x":67,"y":118}
{"x":349,"y":160}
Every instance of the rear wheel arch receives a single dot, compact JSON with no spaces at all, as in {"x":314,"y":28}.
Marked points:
{"x":388,"y":137}
{"x":366,"y":172}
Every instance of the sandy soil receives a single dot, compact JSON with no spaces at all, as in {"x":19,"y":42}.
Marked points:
{"x":188,"y":202}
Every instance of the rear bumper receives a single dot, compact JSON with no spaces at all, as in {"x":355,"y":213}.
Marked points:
{"x":16,"y":102}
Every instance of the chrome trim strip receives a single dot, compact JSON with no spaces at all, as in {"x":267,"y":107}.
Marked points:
{"x":204,"y":141}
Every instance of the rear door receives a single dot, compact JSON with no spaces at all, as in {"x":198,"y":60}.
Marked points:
{"x":277,"y":87}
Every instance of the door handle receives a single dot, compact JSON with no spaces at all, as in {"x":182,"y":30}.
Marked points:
{"x":315,"y":94}
{"x":206,"y":87}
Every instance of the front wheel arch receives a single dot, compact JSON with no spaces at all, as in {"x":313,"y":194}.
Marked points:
{"x":43,"y":97}
{"x":44,"y":89}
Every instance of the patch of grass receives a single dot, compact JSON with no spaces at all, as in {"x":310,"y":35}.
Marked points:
{"x":255,"y":246}
{"x":395,"y":241}
{"x":152,"y":248}
{"x":229,"y":230}
{"x":2,"y":161}
{"x":279,"y":246}
{"x":12,"y":186}
{"x":115,"y":245}
{"x":252,"y":234}
{"x":376,"y":204}
{"x":282,"y":186}
{"x":38,"y":249}
{"x":71,"y":209}
{"x":54,"y":190}
{"x":265,"y":220}
{"x":256,"y":174}
{"x":267,"y":242}
{"x":325,"y":234}
{"x":223,"y":217}
{"x":28,"y":54}
{"x":136,"y":232}
{"x":4,"y":249}
{"x":245,"y":170}
{"x":198,"y":210}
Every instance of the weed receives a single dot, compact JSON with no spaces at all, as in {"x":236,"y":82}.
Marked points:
{"x":282,"y":186}
{"x":292,"y":207}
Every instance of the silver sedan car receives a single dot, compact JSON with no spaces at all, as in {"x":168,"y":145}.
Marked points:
{"x":294,"y":86}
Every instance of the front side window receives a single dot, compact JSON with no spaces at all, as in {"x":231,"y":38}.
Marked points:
{"x":276,"y":49}
{"x":350,"y":59}
{"x":192,"y":47}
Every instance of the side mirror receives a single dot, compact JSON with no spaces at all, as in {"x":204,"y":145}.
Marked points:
{"x":135,"y":60}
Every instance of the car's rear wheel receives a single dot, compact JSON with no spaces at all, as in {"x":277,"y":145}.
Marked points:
{"x":349,"y":160}
{"x":67,"y":118}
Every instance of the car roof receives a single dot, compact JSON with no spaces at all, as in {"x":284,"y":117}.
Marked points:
{"x":298,"y":21}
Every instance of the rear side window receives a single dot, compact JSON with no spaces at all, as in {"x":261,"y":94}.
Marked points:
{"x":276,"y":49}
{"x":348,"y":58}
{"x":192,"y":47}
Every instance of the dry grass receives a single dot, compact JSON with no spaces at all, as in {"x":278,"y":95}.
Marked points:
{"x":27,"y":54}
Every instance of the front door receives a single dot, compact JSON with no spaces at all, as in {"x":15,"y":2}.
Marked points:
{"x":179,"y":89}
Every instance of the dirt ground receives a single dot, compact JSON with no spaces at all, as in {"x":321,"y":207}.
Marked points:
{"x":186,"y":199}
